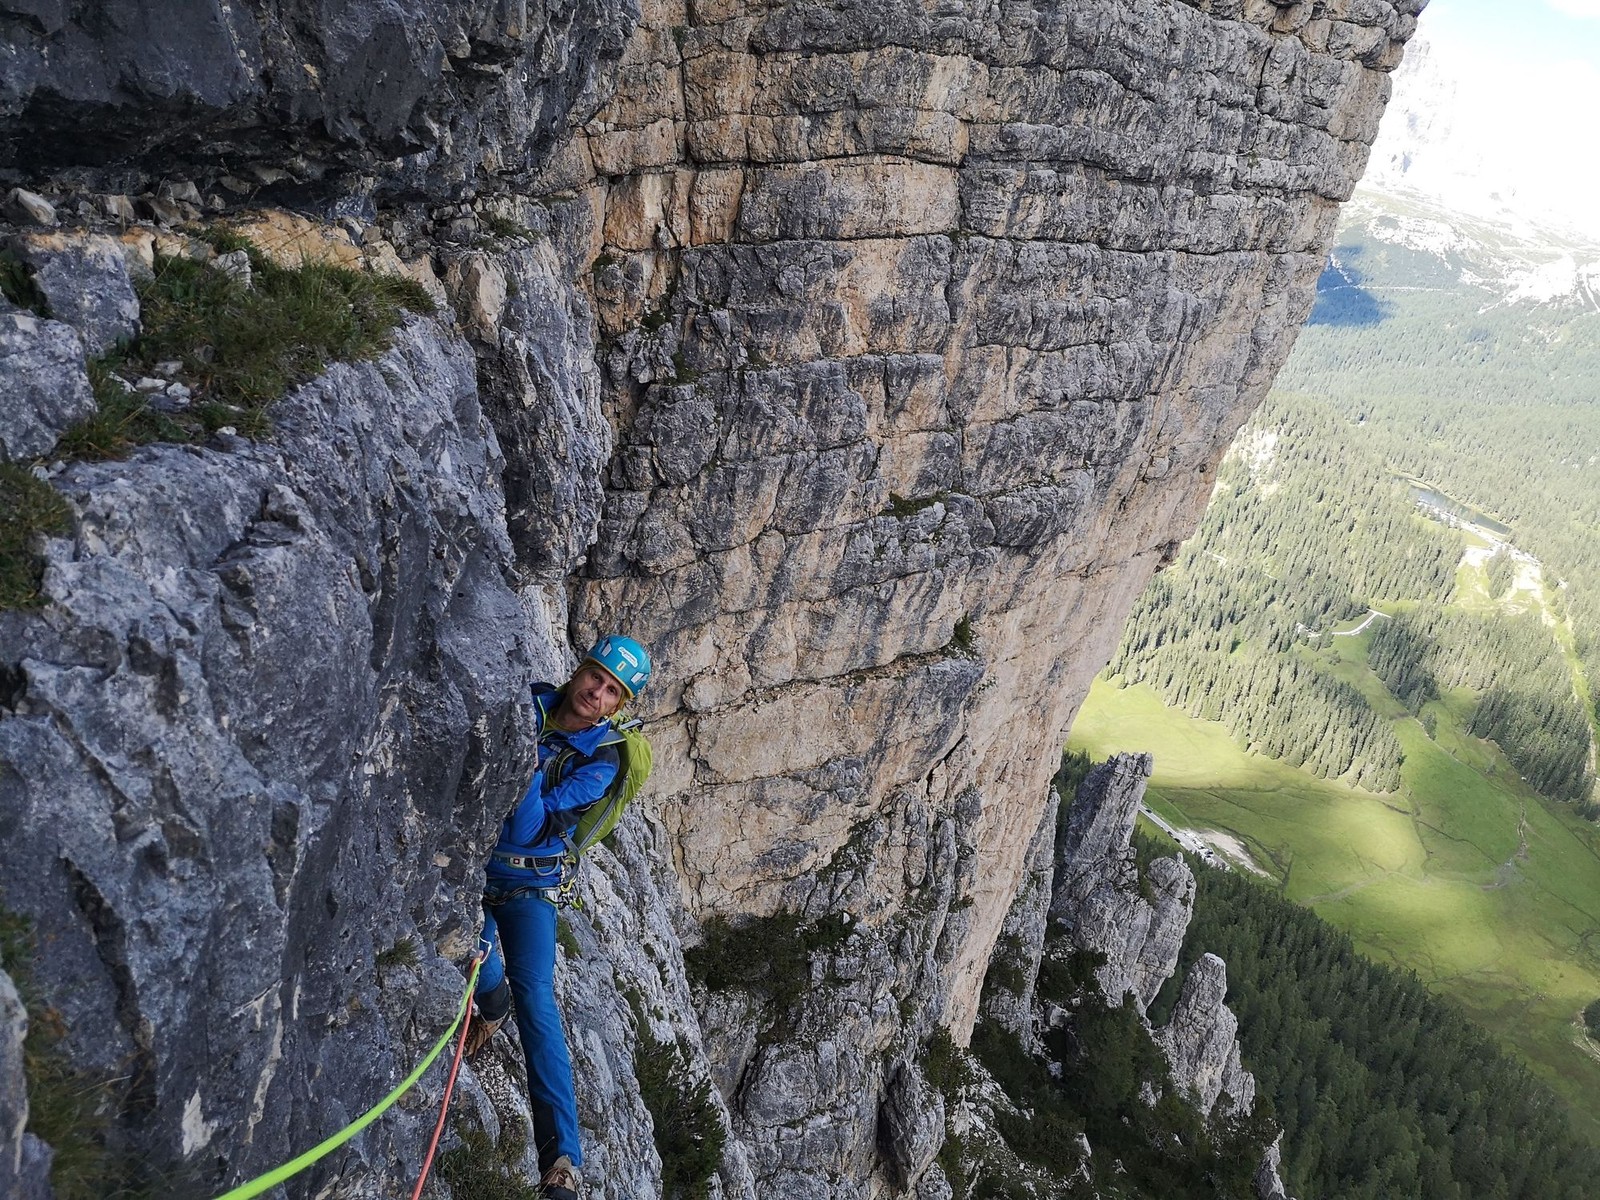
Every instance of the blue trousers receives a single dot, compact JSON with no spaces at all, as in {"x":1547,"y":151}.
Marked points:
{"x":521,"y":933}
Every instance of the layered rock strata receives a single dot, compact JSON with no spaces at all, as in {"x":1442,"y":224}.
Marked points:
{"x":865,"y":361}
{"x":922,"y":335}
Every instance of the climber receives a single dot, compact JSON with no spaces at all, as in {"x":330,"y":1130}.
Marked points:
{"x":527,"y":877}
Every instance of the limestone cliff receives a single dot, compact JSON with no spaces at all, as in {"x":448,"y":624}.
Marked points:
{"x":865,"y":360}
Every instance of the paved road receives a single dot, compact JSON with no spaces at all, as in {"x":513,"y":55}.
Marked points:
{"x":1187,"y":838}
{"x":1372,"y":615}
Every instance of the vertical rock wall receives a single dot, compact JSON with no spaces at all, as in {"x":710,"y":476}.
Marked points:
{"x":865,"y":360}
{"x":922,"y":333}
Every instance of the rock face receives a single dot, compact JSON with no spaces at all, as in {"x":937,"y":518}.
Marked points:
{"x":1097,"y":893}
{"x":427,"y":94}
{"x":1201,"y":1042}
{"x":823,"y":485}
{"x":85,"y":282}
{"x":270,"y":678}
{"x":45,"y":383}
{"x":864,"y":360}
{"x":1100,"y":904}
{"x":884,"y":534}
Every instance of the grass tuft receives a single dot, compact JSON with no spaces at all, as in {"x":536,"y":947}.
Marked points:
{"x":946,"y":1065}
{"x":962,"y":639}
{"x":901,"y":507}
{"x":402,"y":954}
{"x":479,"y":1170}
{"x":29,"y":507}
{"x":243,"y":347}
{"x":122,"y":422}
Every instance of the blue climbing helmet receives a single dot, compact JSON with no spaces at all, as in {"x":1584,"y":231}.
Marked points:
{"x":625,"y":659}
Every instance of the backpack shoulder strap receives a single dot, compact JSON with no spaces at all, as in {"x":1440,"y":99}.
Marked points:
{"x":634,"y":760}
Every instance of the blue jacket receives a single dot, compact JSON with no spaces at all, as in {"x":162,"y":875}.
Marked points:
{"x":574,"y":771}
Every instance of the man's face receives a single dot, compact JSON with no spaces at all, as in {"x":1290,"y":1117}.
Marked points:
{"x":594,"y":694}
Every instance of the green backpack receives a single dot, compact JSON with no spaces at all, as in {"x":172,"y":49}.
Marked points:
{"x":633,"y":768}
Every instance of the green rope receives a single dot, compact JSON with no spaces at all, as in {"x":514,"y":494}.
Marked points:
{"x":294,"y":1166}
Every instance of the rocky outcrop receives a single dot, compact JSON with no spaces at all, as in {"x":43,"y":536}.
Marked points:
{"x":25,"y":1160}
{"x":1267,"y":1182}
{"x":1201,"y":1042}
{"x":1133,"y":922}
{"x":1099,"y":897}
{"x":14,"y":1169}
{"x":269,"y":680}
{"x":84,"y":281}
{"x":865,"y":361}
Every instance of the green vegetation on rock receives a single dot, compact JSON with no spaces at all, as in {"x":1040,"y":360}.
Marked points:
{"x":688,"y":1130}
{"x":766,"y":956}
{"x":29,"y":509}
{"x":1094,"y":1080}
{"x":18,"y":286}
{"x":239,"y":346}
{"x":477,"y":1169}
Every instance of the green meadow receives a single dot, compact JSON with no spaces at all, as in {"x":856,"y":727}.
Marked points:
{"x":1488,"y":893}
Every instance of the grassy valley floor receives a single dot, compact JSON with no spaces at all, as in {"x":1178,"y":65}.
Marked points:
{"x":1465,"y":876}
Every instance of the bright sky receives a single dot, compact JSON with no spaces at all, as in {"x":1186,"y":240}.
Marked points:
{"x":1526,"y":114}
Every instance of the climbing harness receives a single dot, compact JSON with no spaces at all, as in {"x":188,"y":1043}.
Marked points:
{"x":295,"y":1165}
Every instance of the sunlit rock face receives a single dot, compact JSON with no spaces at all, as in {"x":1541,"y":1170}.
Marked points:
{"x":864,"y":360}
{"x":922,"y":332}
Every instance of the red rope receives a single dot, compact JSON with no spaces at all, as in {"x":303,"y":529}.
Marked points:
{"x":449,"y":1089}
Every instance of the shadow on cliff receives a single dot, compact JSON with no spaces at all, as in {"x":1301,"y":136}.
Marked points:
{"x":1344,"y":298}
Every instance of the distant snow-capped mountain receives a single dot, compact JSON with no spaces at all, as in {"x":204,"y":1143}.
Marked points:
{"x":1510,"y":259}
{"x":1450,"y":138}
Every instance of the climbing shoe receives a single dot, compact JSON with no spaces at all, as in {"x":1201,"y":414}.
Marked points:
{"x":490,"y":1011}
{"x":561,"y":1181}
